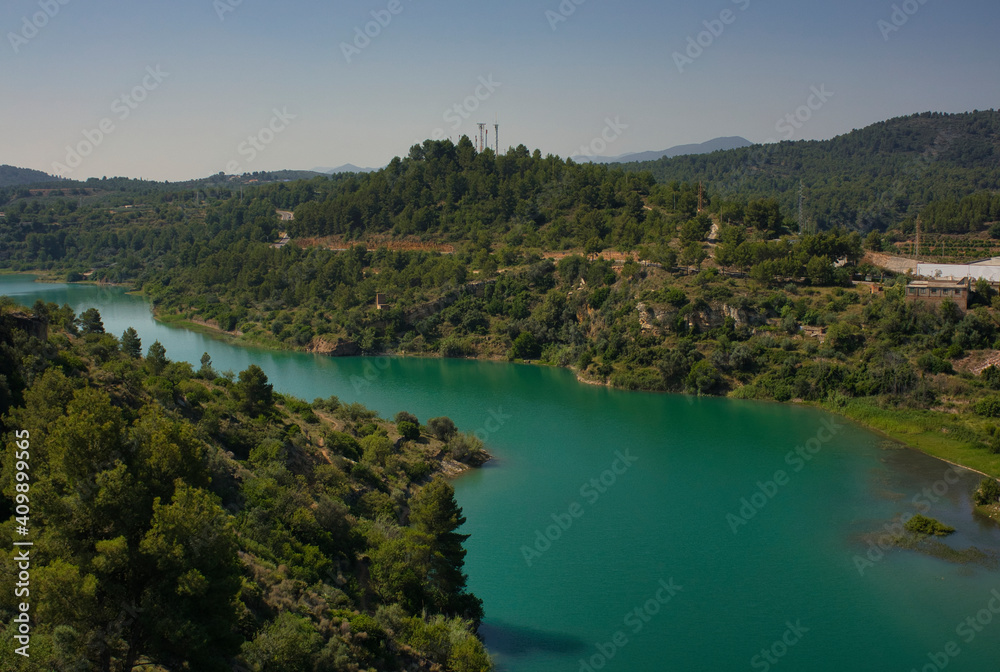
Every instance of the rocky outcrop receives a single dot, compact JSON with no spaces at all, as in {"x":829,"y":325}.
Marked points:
{"x":338,"y":348}
{"x":702,"y":319}
{"x":33,"y":326}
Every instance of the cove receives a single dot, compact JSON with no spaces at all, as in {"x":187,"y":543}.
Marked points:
{"x":603,"y":534}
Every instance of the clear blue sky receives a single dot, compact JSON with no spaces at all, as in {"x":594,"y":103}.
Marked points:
{"x":554,"y":88}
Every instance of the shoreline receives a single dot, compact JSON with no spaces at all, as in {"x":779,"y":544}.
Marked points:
{"x":892,"y":424}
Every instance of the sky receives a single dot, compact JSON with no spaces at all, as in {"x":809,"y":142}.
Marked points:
{"x":179,"y":89}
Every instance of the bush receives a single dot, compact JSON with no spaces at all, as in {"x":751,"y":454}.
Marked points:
{"x":988,"y":492}
{"x":923,"y":525}
{"x":463,"y":446}
{"x":403,"y":416}
{"x":408,"y":430}
{"x":988,"y":408}
{"x":991,"y":377}
{"x":525,"y":347}
{"x":443,"y":428}
{"x":933,"y":364}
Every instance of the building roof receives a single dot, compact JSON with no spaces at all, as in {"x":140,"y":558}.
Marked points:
{"x":950,"y":284}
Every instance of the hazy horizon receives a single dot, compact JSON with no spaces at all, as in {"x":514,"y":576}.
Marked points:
{"x":176,"y":92}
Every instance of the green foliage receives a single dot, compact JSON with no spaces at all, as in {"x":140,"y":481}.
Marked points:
{"x":525,"y":346}
{"x":919,"y":524}
{"x":463,"y":446}
{"x":988,"y":407}
{"x":163,"y":546}
{"x":132,"y":344}
{"x":988,"y":492}
{"x":408,"y":430}
{"x":253,"y":392}
{"x":442,"y":428}
{"x":90,"y":322}
{"x":156,"y":358}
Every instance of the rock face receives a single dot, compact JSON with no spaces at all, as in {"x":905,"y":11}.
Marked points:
{"x":29,"y":324}
{"x":339,"y":348}
{"x":703,"y":319}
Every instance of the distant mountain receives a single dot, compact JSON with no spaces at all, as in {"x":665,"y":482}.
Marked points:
{"x":346,"y":168}
{"x":873,"y":177}
{"x":715,"y":145}
{"x":11,"y":176}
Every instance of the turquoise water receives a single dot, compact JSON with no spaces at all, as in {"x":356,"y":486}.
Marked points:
{"x":602,"y":533}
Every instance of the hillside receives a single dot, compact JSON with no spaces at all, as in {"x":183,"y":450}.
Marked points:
{"x":11,"y":176}
{"x":714,"y":145}
{"x":510,"y":257}
{"x":870,"y":178}
{"x":193,"y":520}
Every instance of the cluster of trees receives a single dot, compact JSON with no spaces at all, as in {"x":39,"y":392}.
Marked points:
{"x":875,"y":177}
{"x":192,"y":520}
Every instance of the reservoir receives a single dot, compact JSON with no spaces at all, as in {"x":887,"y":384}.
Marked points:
{"x":645,"y":532}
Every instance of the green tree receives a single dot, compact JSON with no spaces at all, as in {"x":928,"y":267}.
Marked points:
{"x":443,"y":428}
{"x":525,"y":347}
{"x":254,"y":393}
{"x":819,"y":270}
{"x":156,"y":358}
{"x":131,"y":343}
{"x":206,"y":371}
{"x":189,"y":599}
{"x":434,"y":512}
{"x":90,"y":321}
{"x":408,"y":430}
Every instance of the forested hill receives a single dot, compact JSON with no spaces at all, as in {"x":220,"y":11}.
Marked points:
{"x":193,"y":520}
{"x":869,"y":178}
{"x":11,"y":176}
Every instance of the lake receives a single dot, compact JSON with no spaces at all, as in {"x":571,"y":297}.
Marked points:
{"x":629,"y":531}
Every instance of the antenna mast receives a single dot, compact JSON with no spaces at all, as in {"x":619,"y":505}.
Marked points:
{"x":482,"y":129}
{"x":496,"y":134}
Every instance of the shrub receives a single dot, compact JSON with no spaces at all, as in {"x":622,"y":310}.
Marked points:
{"x":408,"y":430}
{"x":924,"y":525}
{"x":988,"y":407}
{"x":443,"y":428}
{"x":463,"y":446}
{"x":525,"y":347}
{"x":931,"y":363}
{"x":403,"y":416}
{"x":991,"y":377}
{"x":988,"y":492}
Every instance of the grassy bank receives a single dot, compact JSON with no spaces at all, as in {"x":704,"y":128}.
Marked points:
{"x":942,"y":435}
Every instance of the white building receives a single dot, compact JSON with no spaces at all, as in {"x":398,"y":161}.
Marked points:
{"x":987,"y":269}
